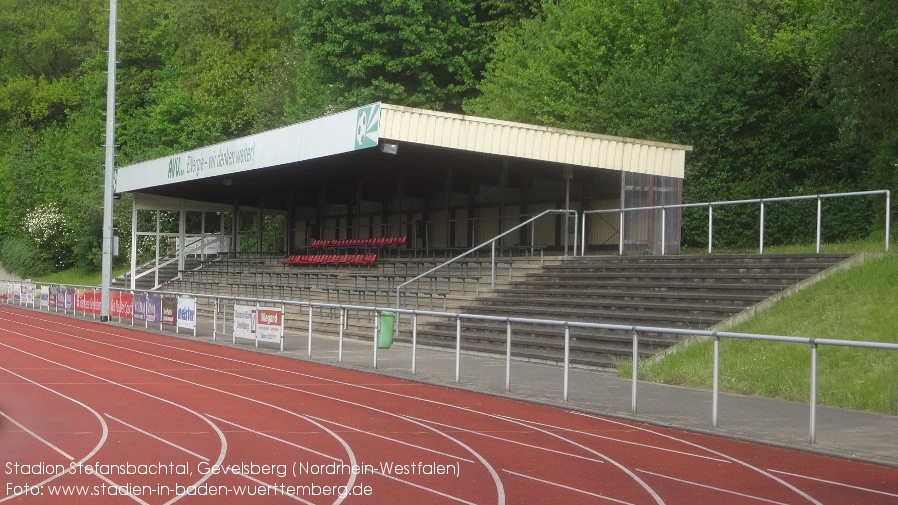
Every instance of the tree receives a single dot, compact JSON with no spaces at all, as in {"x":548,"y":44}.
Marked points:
{"x":424,"y":53}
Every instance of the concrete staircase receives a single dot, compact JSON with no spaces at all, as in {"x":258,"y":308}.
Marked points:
{"x":689,"y":291}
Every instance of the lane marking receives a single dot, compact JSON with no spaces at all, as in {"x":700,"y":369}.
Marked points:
{"x":515,"y":442}
{"x":164,"y":441}
{"x":603,"y":437}
{"x":691,"y":483}
{"x":419,"y":486}
{"x":490,"y":469}
{"x":96,"y":448}
{"x":38,"y":437}
{"x":224,"y":443}
{"x":569,"y":488}
{"x":272,"y":437}
{"x":743,"y":463}
{"x":376,"y":435}
{"x":835,"y":483}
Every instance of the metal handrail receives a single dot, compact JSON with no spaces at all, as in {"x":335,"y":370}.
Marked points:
{"x":493,"y":253}
{"x":635,"y":331}
{"x":761,"y":201}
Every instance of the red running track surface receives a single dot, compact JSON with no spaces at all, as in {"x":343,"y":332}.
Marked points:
{"x":96,"y":414}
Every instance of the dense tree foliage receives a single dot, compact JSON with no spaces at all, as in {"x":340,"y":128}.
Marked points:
{"x":777,"y":97}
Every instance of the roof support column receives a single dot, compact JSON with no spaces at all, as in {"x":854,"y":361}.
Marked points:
{"x":182,"y":237}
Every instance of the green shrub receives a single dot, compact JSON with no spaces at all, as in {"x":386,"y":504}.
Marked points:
{"x":21,"y":256}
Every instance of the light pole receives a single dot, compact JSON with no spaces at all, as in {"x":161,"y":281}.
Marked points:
{"x":109,"y":179}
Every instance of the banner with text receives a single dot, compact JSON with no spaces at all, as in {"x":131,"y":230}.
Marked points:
{"x":265,"y":324}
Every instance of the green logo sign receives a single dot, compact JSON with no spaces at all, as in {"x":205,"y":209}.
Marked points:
{"x":367,"y":130}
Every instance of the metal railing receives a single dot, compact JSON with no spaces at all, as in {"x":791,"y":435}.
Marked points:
{"x":492,"y":242}
{"x":761,"y":201}
{"x":218,"y":301}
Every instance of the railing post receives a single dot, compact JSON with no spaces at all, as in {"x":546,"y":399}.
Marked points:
{"x":635,"y":372}
{"x":376,"y":325}
{"x":888,"y":218}
{"x":583,"y":236}
{"x":813,"y":401}
{"x":761,"y":247}
{"x":663,"y":230}
{"x":621,"y":234}
{"x":819,"y":221}
{"x":414,"y":342}
{"x":311,"y":309}
{"x":508,"y":355}
{"x":457,"y":348}
{"x":567,"y":359}
{"x":340,"y":337}
{"x":710,"y":228}
{"x":493,"y":265}
{"x":715,"y":386}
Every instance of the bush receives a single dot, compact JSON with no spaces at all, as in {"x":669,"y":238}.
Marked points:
{"x":21,"y":256}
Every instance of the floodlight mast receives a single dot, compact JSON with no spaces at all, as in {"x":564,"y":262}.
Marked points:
{"x":109,"y":179}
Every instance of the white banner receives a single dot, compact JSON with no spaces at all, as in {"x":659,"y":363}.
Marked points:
{"x":45,"y":297}
{"x":265,"y":324}
{"x":338,"y":133}
{"x":187,"y":312}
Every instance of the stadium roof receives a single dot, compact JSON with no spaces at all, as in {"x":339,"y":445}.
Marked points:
{"x":375,"y":145}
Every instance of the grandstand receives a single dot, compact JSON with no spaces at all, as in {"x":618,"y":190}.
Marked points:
{"x":350,"y":207}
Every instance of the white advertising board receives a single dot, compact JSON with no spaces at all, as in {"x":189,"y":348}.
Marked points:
{"x":335,"y":134}
{"x":265,"y":324}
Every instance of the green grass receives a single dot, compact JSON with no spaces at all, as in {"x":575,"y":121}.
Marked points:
{"x":856,"y":304}
{"x":78,"y":277}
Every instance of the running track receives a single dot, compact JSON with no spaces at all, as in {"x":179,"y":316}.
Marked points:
{"x":131,"y":417}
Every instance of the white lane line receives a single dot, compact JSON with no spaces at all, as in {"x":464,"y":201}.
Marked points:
{"x":91,"y":454}
{"x":122,"y":489}
{"x":224,"y":443}
{"x":484,"y":462}
{"x":712,"y":451}
{"x":164,"y":441}
{"x":38,"y":437}
{"x":500,"y":490}
{"x":376,"y":435}
{"x":705,"y":486}
{"x":834,"y":483}
{"x":276,"y":488}
{"x":509,"y":441}
{"x":434,"y":491}
{"x":276,"y":439}
{"x":612,"y":439}
{"x":569,"y":488}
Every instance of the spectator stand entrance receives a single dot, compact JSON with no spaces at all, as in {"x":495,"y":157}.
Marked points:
{"x":383,"y":181}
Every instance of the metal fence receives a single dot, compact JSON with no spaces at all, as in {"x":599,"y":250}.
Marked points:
{"x":763,"y":202}
{"x":219,"y":322}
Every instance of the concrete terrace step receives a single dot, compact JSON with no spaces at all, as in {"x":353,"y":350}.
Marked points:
{"x":689,"y":292}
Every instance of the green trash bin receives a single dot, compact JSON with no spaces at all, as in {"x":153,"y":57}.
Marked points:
{"x":385,"y":337}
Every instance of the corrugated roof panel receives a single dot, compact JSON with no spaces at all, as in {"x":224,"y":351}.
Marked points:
{"x":520,"y":140}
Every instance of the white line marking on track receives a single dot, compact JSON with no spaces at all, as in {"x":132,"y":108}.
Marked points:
{"x":276,"y":488}
{"x":834,"y":483}
{"x":224,"y":443}
{"x":603,"y":437}
{"x":272,"y":437}
{"x":119,"y":487}
{"x":38,"y":437}
{"x":743,"y":463}
{"x":497,"y":481}
{"x":164,"y":441}
{"x":434,"y":451}
{"x":96,"y":414}
{"x":569,"y":488}
{"x":434,"y":491}
{"x":727,"y":491}
{"x":509,"y":441}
